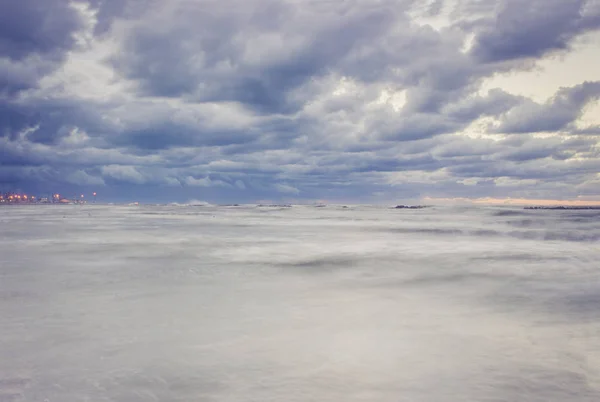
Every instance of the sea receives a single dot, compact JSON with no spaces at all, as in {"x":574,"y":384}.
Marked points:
{"x":303,"y":303}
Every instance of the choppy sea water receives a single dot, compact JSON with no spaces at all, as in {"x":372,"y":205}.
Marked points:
{"x":201,"y":303}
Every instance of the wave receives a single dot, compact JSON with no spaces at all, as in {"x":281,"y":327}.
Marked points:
{"x":545,"y":235}
{"x":520,"y":257}
{"x":509,"y":213}
{"x":321,"y":262}
{"x":581,"y":217}
{"x":191,"y":203}
{"x":525,"y":223}
{"x":198,"y":203}
{"x":557,"y":236}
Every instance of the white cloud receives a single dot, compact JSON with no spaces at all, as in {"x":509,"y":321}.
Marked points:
{"x":82,"y":178}
{"x":286,"y":188}
{"x":123,"y":173}
{"x":204,"y":182}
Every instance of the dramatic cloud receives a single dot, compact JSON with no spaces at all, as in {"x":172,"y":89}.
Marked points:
{"x":530,"y":29}
{"x":34,"y":37}
{"x":263,"y":99}
{"x":564,"y":109}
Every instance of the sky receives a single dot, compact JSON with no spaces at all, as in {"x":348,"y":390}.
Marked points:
{"x":301,"y":100}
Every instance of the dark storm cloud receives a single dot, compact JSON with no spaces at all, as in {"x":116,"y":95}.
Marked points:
{"x":50,"y":120}
{"x":415,"y":127}
{"x":495,"y":103}
{"x":19,"y":75}
{"x":13,"y":119}
{"x":253,"y":53}
{"x":531,"y":28}
{"x":455,"y":115}
{"x":164,"y":135}
{"x":563,"y":109}
{"x":34,"y":36}
{"x":32,"y":26}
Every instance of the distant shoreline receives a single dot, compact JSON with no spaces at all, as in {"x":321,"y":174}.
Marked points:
{"x":566,"y":208}
{"x":547,"y":208}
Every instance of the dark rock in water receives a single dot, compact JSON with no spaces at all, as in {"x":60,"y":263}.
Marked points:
{"x":410,"y":206}
{"x":274,"y":206}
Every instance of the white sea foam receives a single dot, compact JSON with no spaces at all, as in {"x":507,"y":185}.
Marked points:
{"x":197,"y":203}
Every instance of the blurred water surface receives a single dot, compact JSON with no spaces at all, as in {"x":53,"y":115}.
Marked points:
{"x":203,"y":303}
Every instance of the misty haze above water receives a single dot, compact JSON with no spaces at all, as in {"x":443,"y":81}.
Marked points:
{"x":203,"y":303}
